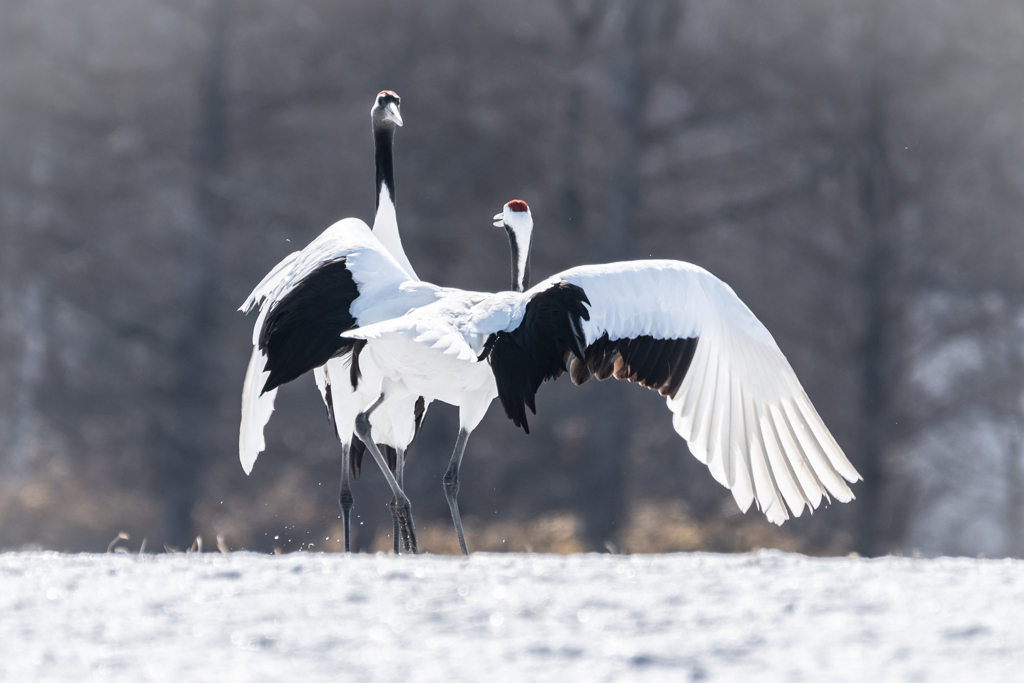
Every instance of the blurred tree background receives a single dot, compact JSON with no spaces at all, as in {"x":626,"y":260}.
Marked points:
{"x":854,"y":169}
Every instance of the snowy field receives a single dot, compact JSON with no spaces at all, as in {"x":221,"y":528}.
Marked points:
{"x":767,"y":616}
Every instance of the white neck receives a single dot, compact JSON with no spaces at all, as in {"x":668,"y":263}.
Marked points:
{"x":519,"y":226}
{"x":385,"y":227}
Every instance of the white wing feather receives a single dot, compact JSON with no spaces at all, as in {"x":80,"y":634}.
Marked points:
{"x":741,"y":407}
{"x":443,"y":325}
{"x":256,"y":410}
{"x":372,"y":267}
{"x":385,"y":291}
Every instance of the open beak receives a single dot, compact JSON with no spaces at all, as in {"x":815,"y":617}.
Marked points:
{"x":393,"y":113}
{"x":499,"y":220}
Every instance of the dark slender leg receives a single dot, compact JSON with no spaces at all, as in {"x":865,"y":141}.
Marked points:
{"x":401,"y":509}
{"x":451,"y":486}
{"x":400,"y":478}
{"x":346,"y":500}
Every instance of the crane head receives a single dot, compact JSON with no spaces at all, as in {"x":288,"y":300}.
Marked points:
{"x":386,"y":109}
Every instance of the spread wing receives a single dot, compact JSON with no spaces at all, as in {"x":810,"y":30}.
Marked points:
{"x":677,"y":329}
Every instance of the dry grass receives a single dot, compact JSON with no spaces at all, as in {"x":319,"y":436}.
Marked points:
{"x":557,"y":533}
{"x":32,"y":516}
{"x":668,"y":527}
{"x":656,"y":527}
{"x":48,"y":512}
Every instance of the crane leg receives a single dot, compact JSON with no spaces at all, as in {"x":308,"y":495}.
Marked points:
{"x":345,"y":498}
{"x":401,"y":508}
{"x":451,"y":486}
{"x":400,"y":478}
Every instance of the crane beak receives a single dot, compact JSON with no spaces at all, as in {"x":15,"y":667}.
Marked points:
{"x":391,"y":112}
{"x":499,"y":220}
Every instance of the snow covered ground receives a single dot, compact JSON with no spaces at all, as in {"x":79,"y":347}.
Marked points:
{"x":767,"y":616}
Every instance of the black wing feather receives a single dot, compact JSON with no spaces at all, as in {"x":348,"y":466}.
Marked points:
{"x":303,"y":330}
{"x":658,"y":364}
{"x":418,"y":413}
{"x":535,"y":351}
{"x":552,"y":330}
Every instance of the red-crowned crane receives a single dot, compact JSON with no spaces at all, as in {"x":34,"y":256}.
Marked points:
{"x":667,"y":325}
{"x":347,"y":277}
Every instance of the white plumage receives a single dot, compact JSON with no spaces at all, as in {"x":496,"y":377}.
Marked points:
{"x":740,"y":406}
{"x":431,"y":351}
{"x":257,"y":408}
{"x":385,"y":291}
{"x":347,"y":276}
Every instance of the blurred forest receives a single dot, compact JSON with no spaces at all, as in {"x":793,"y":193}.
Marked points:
{"x":853,"y":168}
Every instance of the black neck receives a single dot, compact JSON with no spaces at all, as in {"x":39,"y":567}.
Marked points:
{"x":383,"y":139}
{"x":513,"y":243}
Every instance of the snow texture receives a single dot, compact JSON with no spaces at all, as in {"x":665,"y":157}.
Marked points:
{"x":767,"y":616}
